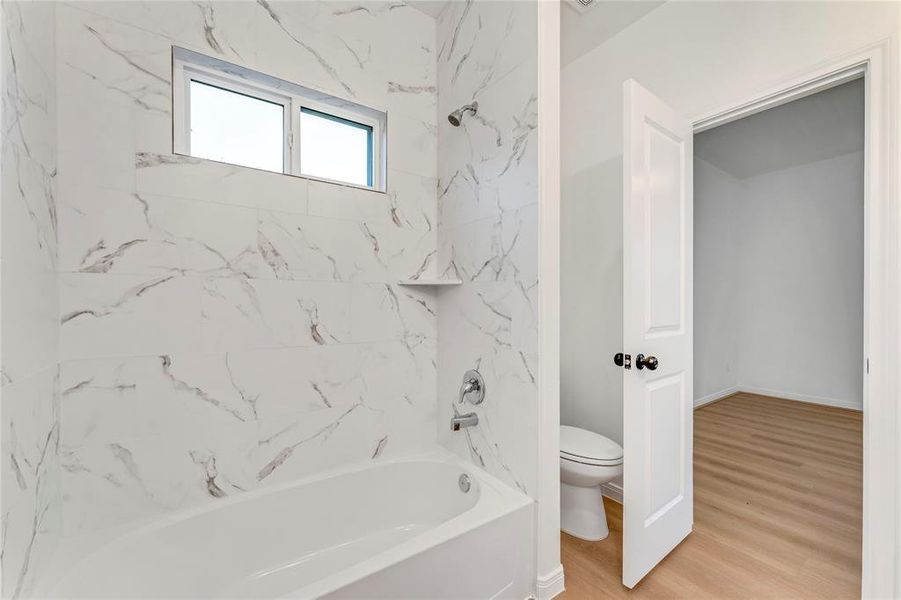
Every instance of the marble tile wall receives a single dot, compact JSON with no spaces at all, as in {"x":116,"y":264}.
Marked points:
{"x":29,"y":475}
{"x":223,"y":328}
{"x":488,"y":231}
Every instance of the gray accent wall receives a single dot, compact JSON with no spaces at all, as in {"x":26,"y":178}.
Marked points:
{"x":779,"y":282}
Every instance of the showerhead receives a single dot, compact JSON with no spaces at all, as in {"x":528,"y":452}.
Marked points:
{"x":456,"y":117}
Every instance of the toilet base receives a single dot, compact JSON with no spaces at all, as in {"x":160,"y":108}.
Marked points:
{"x":582,"y":512}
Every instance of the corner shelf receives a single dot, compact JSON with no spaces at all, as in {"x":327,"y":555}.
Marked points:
{"x":430,"y":282}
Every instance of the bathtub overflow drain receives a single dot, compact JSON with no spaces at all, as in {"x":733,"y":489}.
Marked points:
{"x":464,"y":482}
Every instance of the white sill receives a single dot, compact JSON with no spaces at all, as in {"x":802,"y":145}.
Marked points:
{"x":430,"y":282}
{"x":306,"y":177}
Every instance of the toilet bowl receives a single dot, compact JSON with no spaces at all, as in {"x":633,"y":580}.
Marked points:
{"x":587,"y":460}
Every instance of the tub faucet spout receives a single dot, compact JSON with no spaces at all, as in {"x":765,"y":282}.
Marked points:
{"x":467,"y":420}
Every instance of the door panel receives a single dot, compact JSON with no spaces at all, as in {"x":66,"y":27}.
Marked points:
{"x":657,"y":415}
{"x":664,"y":406}
{"x":664,"y":242}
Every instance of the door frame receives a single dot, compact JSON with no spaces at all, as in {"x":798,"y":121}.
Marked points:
{"x":882,"y":416}
{"x":548,"y":568}
{"x":882,"y":301}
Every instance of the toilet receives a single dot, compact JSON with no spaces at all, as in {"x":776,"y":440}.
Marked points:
{"x":587,"y":460}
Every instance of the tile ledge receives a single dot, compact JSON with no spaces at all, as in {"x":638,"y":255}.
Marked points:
{"x":430,"y":282}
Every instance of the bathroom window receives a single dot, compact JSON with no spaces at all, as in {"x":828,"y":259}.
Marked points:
{"x":335,"y":148}
{"x":234,"y":127}
{"x":228,"y":113}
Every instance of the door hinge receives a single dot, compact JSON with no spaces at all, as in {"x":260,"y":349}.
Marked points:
{"x":868,"y":365}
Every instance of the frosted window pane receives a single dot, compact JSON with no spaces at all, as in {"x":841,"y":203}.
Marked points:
{"x":334,"y":148}
{"x":237,"y":129}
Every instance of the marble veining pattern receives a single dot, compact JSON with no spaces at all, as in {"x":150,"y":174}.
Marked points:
{"x":191,"y":329}
{"x":223,"y":328}
{"x":30,"y":426}
{"x":488,"y":232}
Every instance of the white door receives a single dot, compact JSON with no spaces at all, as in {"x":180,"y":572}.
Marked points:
{"x":657,"y":324}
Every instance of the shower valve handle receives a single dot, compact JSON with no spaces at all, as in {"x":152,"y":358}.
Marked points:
{"x":473,"y":388}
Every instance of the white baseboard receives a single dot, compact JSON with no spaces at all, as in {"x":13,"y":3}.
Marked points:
{"x":550,"y":585}
{"x":613,"y":490}
{"x":801,"y":397}
{"x":715,"y":396}
{"x":699,"y":402}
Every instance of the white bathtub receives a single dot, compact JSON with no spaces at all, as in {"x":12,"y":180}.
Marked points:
{"x":394,"y":529}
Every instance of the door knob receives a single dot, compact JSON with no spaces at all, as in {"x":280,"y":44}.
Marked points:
{"x":642,"y":361}
{"x":622,"y":360}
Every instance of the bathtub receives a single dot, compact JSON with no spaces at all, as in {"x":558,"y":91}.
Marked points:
{"x":393,"y":529}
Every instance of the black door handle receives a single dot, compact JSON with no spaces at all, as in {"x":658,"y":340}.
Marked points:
{"x":642,"y":361}
{"x":622,"y":360}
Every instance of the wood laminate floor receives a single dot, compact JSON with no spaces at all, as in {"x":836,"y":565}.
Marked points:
{"x":778,"y":491}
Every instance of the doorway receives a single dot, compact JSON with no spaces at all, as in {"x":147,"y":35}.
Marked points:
{"x":835,"y":421}
{"x":779,"y":339}
{"x":779,"y":252}
{"x":712,"y":78}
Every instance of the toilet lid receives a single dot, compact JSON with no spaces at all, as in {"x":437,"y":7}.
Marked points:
{"x":581,"y":445}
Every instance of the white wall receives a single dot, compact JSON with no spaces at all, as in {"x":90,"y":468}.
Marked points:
{"x":30,"y":472}
{"x":779,"y":282}
{"x":717,"y":203}
{"x":801,"y":291}
{"x":698,"y":56}
{"x":591,"y":295}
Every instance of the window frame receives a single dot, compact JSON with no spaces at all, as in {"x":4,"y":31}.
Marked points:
{"x":290,"y":97}
{"x":348,"y":118}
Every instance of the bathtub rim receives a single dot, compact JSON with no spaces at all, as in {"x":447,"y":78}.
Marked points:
{"x":500,"y":501}
{"x":496,"y":499}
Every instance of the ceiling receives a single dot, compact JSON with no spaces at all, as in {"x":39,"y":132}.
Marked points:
{"x":430,"y":7}
{"x":582,"y":30}
{"x":821,"y":126}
